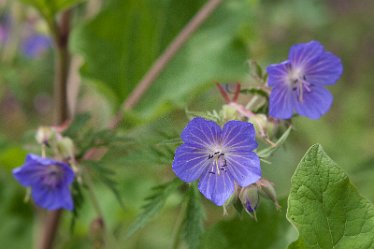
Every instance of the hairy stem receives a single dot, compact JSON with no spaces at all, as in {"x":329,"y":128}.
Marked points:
{"x":165,"y":58}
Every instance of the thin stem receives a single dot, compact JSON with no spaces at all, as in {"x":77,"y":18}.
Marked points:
{"x":60,"y":34}
{"x":165,"y":58}
{"x":223,"y":93}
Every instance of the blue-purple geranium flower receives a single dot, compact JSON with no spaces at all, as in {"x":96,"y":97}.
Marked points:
{"x":298,"y":83}
{"x":220,"y":157}
{"x":49,"y":181}
{"x":35,"y":45}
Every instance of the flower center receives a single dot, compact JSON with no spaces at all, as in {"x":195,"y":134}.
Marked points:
{"x":52,"y":177}
{"x":218,"y":162}
{"x":298,"y":82}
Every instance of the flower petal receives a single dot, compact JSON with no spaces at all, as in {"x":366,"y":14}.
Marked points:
{"x":201,"y":132}
{"x":315,"y":103}
{"x":280,"y":104}
{"x":238,"y":136}
{"x":36,"y":167}
{"x":216,"y":187}
{"x":278,"y":73}
{"x":189,"y":162}
{"x":304,"y":54}
{"x":244,"y":167}
{"x":325,"y":71}
{"x":52,"y":199}
{"x":29,"y":175}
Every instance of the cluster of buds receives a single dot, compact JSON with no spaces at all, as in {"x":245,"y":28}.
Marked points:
{"x":233,"y":110}
{"x":51,"y":137}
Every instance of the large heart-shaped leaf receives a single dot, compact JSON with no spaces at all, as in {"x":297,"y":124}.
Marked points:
{"x":326,"y":208}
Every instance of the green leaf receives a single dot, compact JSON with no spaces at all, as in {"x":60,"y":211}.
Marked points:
{"x":193,"y":222}
{"x":326,"y":208}
{"x":106,"y":176}
{"x":153,"y":205}
{"x":255,"y":91}
{"x":272,"y":231}
{"x":49,"y":8}
{"x":123,"y":41}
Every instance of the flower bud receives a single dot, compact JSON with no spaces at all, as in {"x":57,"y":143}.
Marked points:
{"x":267,"y":189}
{"x":260,"y":123}
{"x":229,"y":112}
{"x":250,"y":199}
{"x":44,"y":134}
{"x":65,"y":147}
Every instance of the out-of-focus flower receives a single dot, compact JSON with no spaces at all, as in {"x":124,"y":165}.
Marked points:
{"x":220,"y":157}
{"x":35,"y":45}
{"x":298,"y":83}
{"x":49,"y":181}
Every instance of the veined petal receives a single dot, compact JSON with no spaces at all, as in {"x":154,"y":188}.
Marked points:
{"x":190,"y":162}
{"x":238,"y":136}
{"x":36,"y":167}
{"x":278,"y":73}
{"x":216,"y":187}
{"x":303,"y":54}
{"x":315,"y":103}
{"x":201,"y":132}
{"x":244,"y":167}
{"x":280,"y":104}
{"x":52,"y":198}
{"x":325,"y":71}
{"x":29,"y":175}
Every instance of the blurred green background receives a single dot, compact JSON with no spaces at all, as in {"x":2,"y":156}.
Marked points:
{"x":116,"y":42}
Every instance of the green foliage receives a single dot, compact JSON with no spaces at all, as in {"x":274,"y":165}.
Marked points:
{"x":49,"y":8}
{"x":129,"y":43}
{"x":326,"y":208}
{"x":153,"y":205}
{"x":106,"y":176}
{"x":193,"y":221}
{"x":78,"y":200}
{"x":272,"y":231}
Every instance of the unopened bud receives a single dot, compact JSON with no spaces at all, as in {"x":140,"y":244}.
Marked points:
{"x":65,"y":148}
{"x":97,"y":230}
{"x":260,"y":123}
{"x":229,"y":112}
{"x":250,"y":199}
{"x":267,"y":189}
{"x":43,"y":134}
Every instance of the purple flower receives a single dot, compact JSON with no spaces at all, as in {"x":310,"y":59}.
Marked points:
{"x":298,"y":83}
{"x":219,"y":157}
{"x":49,"y":181}
{"x":35,"y":45}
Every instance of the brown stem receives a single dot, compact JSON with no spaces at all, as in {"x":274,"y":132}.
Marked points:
{"x":165,"y":58}
{"x":62,"y":59}
{"x":60,"y":34}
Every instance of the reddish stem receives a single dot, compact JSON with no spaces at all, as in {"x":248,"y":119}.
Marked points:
{"x":223,"y":93}
{"x":236,"y":92}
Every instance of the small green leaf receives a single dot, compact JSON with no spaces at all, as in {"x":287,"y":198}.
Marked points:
{"x":326,"y":208}
{"x":255,"y":91}
{"x":153,"y":205}
{"x":49,"y":8}
{"x":106,"y":176}
{"x":193,"y":222}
